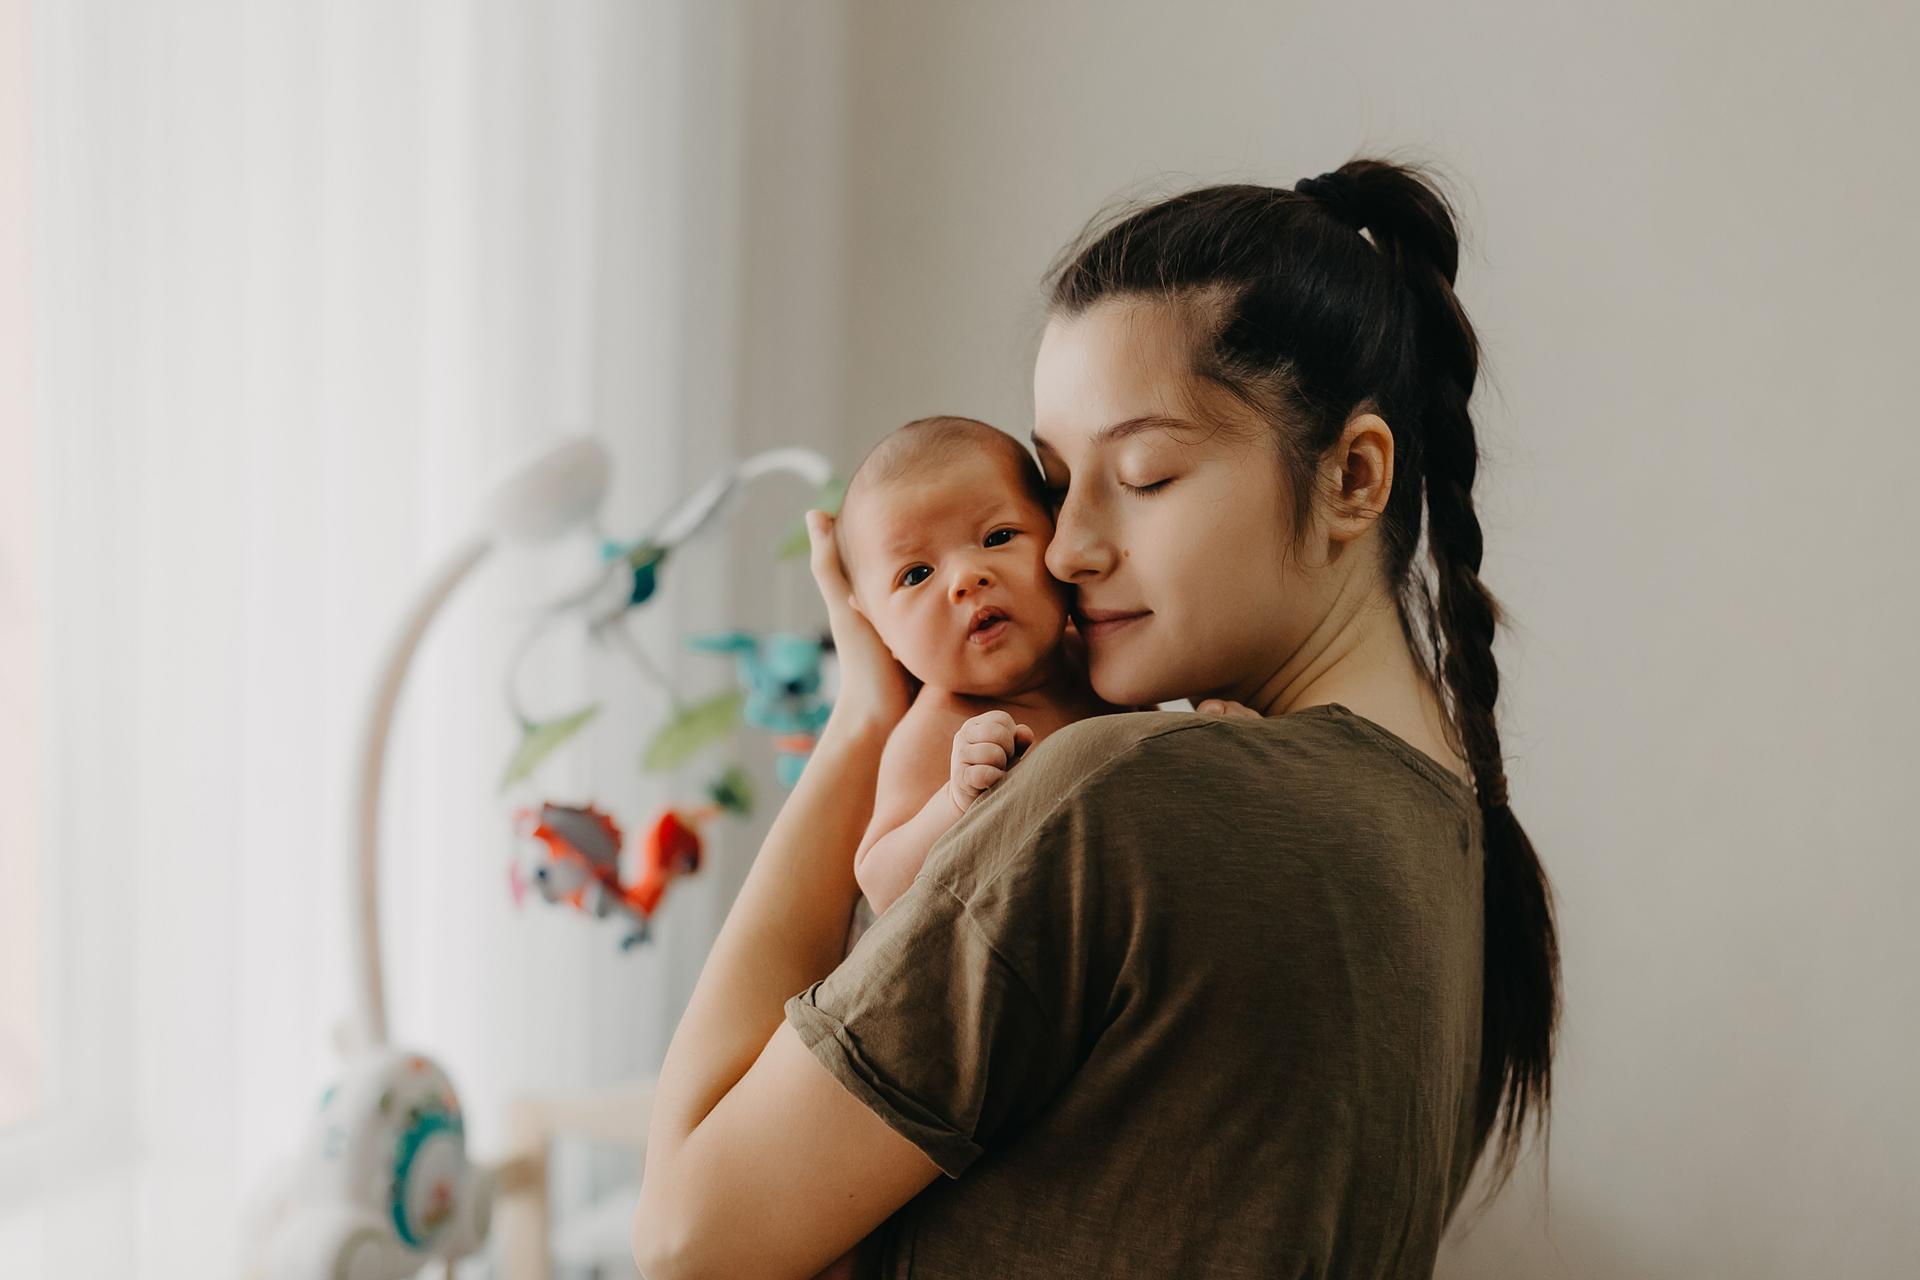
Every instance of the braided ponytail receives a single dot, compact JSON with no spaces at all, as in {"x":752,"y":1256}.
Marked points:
{"x":1412,"y":226}
{"x":1320,"y":323}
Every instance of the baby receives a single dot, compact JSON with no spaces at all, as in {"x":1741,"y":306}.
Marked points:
{"x":943,"y":535}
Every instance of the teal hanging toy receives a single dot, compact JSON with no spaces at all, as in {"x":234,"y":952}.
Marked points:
{"x":629,"y":578}
{"x":780,"y":675}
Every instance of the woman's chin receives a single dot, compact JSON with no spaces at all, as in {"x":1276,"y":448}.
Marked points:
{"x":1113,"y":683}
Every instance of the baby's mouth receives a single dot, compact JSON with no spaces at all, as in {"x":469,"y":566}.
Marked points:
{"x":985,"y":619}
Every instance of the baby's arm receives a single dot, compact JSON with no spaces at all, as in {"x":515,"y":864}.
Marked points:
{"x":968,"y":762}
{"x":913,"y":765}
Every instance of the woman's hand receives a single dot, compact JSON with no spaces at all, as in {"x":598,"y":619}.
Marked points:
{"x":875,"y":690}
{"x":1222,"y":707}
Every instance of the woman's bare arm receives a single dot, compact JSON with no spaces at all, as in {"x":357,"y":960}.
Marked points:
{"x":788,"y":925}
{"x":784,"y":932}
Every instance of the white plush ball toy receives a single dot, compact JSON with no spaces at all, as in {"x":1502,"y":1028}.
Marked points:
{"x":382,"y":1185}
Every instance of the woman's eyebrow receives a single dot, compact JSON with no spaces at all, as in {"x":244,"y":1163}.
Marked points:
{"x":1121,"y":430}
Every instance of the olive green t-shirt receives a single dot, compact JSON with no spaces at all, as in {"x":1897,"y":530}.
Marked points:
{"x":1181,"y":996}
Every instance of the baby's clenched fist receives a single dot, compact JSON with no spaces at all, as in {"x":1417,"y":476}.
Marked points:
{"x":983,"y":750}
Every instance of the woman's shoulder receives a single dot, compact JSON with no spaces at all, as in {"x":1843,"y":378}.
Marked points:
{"x":1159,"y":762}
{"x":1066,"y":773}
{"x":1299,"y":756}
{"x":1099,"y":787}
{"x":1101,"y":751}
{"x":1086,"y":745}
{"x":1082,"y":766}
{"x":1132,"y":746}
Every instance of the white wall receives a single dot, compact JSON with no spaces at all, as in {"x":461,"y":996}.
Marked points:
{"x":1691,"y":260}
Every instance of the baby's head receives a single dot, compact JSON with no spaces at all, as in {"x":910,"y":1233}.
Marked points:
{"x":943,"y":533}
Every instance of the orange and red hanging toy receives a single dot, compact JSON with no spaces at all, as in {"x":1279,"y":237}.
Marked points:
{"x":582,"y":863}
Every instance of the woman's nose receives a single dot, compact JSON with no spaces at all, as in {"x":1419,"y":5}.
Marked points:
{"x":1077,"y":551}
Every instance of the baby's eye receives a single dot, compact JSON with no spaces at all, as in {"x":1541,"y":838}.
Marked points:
{"x":1003,"y":536}
{"x":908,"y":580}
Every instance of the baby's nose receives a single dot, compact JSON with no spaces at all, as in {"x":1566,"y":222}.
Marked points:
{"x":972,"y":580}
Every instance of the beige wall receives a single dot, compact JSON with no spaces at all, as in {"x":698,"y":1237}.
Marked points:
{"x":1692,"y":262}
{"x":21,"y":1051}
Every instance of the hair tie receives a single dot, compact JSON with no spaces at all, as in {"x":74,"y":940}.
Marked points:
{"x":1334,"y":191}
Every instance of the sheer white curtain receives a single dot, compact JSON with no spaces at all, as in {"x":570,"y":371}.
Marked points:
{"x":303,"y":277}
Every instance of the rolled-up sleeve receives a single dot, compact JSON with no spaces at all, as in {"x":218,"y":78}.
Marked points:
{"x":957,"y":1014}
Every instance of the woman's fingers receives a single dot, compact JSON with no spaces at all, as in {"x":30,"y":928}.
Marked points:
{"x":1223,"y":707}
{"x":874,"y":687}
{"x":823,"y":557}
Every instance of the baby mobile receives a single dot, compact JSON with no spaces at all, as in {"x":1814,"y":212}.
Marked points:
{"x":382,"y":1182}
{"x":578,"y":849}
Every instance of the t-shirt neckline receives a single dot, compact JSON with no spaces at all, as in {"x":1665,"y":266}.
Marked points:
{"x":1414,"y":756}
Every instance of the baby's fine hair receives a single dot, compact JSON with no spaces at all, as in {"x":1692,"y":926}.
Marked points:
{"x":927,"y":444}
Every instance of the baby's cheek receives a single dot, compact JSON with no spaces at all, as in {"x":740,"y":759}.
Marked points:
{"x":1045,"y":596}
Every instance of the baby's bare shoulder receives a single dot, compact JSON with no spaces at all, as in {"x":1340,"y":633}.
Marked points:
{"x":924,"y":736}
{"x":934,"y":708}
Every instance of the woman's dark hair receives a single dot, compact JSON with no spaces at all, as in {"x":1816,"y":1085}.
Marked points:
{"x":1308,"y":320}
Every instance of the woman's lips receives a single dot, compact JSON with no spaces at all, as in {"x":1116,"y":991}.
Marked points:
{"x":1101,"y":630}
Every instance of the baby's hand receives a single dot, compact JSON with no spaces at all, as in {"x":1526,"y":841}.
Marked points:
{"x":983,"y":751}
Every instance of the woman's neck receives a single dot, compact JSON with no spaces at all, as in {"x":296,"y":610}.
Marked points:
{"x":1358,"y":657}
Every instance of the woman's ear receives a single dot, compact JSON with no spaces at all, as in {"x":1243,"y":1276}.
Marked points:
{"x":1359,"y":476}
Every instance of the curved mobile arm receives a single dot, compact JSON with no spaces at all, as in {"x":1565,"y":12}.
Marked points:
{"x":370,"y":1028}
{"x":557,"y":490}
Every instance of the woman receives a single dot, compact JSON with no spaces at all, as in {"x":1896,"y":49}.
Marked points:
{"x":1209,"y":995}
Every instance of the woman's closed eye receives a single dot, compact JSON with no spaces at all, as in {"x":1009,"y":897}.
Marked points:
{"x":1059,"y":495}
